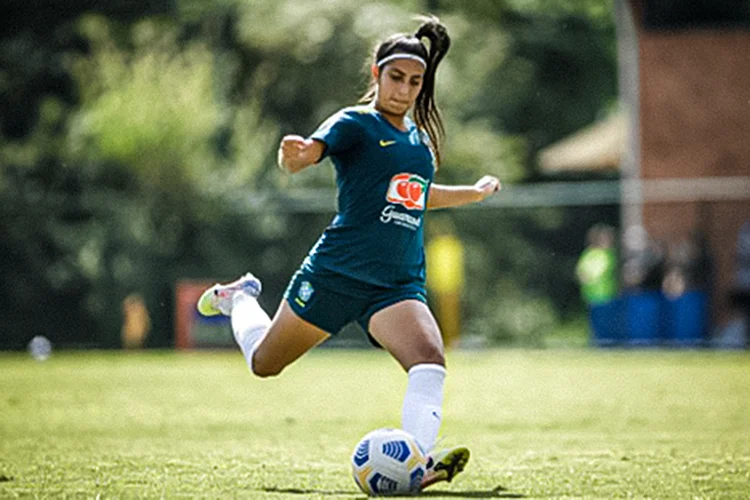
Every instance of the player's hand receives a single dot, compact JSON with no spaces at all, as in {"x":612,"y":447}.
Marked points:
{"x":487,"y":186}
{"x":294,"y":153}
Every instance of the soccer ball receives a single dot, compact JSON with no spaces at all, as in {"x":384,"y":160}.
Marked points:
{"x":388,"y":462}
{"x":40,"y":348}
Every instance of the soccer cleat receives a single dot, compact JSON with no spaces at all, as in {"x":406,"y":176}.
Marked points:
{"x":445,"y":465}
{"x":218,"y":299}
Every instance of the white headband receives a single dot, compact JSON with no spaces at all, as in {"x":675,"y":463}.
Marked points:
{"x":400,"y":55}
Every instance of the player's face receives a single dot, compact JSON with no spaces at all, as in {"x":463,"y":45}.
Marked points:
{"x":399,"y":83}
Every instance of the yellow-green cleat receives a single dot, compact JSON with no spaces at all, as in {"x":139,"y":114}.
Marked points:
{"x":218,"y":299}
{"x":444,"y":465}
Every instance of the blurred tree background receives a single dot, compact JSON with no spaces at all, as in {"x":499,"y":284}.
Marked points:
{"x":138,"y":142}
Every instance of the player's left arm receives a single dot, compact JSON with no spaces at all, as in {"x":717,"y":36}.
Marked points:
{"x":443,"y":196}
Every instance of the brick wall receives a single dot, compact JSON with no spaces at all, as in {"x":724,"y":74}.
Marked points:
{"x":695,"y":122}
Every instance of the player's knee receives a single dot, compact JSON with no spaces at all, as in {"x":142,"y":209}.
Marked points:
{"x":264,"y":368}
{"x":266,"y":371}
{"x":266,"y":374}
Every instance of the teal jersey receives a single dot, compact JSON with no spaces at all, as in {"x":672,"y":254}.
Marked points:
{"x":383,"y":176}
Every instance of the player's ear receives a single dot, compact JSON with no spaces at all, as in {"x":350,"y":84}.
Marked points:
{"x":375,"y":71}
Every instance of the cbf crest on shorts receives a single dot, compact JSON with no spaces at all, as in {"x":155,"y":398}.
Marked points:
{"x":305,"y":291}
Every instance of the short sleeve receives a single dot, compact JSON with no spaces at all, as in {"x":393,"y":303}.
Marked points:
{"x":339,"y":132}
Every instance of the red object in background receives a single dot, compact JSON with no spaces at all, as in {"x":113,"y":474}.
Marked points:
{"x":192,"y":330}
{"x":187,"y":294}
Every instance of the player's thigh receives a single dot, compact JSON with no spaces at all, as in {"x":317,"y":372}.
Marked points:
{"x":409,"y":332}
{"x":288,"y":338}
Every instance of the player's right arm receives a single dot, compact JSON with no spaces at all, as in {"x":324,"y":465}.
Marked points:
{"x":297,"y":153}
{"x":337,"y":134}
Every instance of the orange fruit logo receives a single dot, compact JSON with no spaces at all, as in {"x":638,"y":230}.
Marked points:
{"x":408,"y":190}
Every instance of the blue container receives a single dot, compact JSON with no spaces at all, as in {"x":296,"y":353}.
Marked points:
{"x":643,"y":318}
{"x":606,"y":323}
{"x":686,"y":319}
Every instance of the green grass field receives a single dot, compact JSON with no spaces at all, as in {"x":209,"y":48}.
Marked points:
{"x":540,"y":424}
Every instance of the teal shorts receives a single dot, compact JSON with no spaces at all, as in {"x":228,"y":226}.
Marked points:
{"x":331,"y":301}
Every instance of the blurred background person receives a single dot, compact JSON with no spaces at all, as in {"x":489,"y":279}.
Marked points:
{"x":643,"y":261}
{"x":597,"y":266}
{"x":136,"y":322}
{"x":685,"y":290}
{"x":734,"y":334}
{"x":741,"y":289}
{"x":596,"y":272}
{"x":445,"y":279}
{"x":686,"y":266}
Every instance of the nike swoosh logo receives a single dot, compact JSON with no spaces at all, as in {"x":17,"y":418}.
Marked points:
{"x":385,"y":144}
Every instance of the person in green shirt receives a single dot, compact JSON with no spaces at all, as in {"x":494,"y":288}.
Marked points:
{"x":597,"y":266}
{"x":597,"y":272}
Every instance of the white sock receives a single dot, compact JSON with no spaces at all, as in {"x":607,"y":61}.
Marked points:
{"x":422,"y":412}
{"x":249,"y":324}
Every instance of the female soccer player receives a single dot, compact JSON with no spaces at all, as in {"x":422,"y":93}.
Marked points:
{"x":369,"y":266}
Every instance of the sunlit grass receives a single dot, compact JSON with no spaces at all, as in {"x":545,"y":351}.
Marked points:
{"x":540,"y":424}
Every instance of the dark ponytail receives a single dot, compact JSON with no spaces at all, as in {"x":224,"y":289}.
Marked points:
{"x":426,"y":113}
